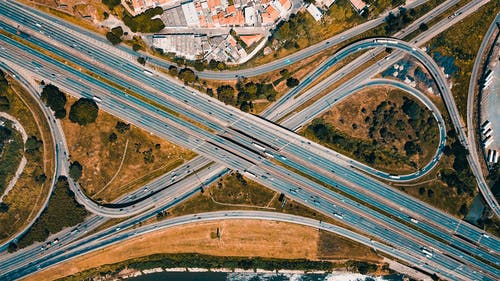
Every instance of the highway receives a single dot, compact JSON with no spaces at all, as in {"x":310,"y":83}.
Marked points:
{"x":296,"y":97}
{"x":475,"y":163}
{"x":292,"y":100}
{"x":48,"y":59}
{"x":127,"y":52}
{"x":426,"y":265}
{"x":220,"y":113}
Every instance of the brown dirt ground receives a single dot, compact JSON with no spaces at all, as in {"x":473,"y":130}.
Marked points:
{"x":101,"y":159}
{"x":239,"y":238}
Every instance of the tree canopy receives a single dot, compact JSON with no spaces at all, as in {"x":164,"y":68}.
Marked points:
{"x":143,"y":21}
{"x":292,"y":82}
{"x":84,"y":111}
{"x":54,"y":99}
{"x":225,"y":94}
{"x":75,"y":170}
{"x":111,"y":3}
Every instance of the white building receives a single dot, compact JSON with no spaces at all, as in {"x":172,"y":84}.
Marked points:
{"x":190,"y":14}
{"x":314,"y":11}
{"x":250,"y":16}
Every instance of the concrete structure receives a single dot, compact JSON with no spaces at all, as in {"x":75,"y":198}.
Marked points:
{"x":250,"y":16}
{"x":250,"y":39}
{"x":358,"y":5}
{"x":314,"y":11}
{"x":325,"y":3}
{"x":190,"y":46}
{"x":190,"y":14}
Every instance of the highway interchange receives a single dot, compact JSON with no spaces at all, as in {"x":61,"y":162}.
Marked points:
{"x":285,"y":147}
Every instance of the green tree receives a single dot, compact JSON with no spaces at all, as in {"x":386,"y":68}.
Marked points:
{"x":292,"y":82}
{"x":113,"y":38}
{"x":136,"y":47}
{"x":32,"y":145}
{"x":141,"y":60}
{"x":54,"y":99}
{"x":40,"y":178}
{"x":225,"y":93}
{"x":84,"y":111}
{"x":112,"y":137}
{"x":111,"y":3}
{"x":12,"y":247}
{"x":172,"y":70}
{"x":118,"y":31}
{"x":4,"y":103}
{"x":187,"y":75}
{"x":3,"y":207}
{"x":122,"y":127}
{"x":423,"y":27}
{"x":75,"y":170}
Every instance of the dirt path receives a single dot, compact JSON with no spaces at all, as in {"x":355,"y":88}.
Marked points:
{"x":117,"y":171}
{"x":23,"y":162}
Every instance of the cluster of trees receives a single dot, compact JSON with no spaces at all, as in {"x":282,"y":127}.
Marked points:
{"x":33,"y":145}
{"x":122,"y":127}
{"x":369,"y":152}
{"x":205,"y":261}
{"x":54,"y":99}
{"x":4,"y":85}
{"x":397,"y":22}
{"x":143,"y":22}
{"x":460,"y":177}
{"x":247,"y":93}
{"x":62,"y":211}
{"x":114,"y":36}
{"x":422,"y":122}
{"x":84,"y":111}
{"x":362,"y":267}
{"x":288,"y":32}
{"x":111,"y":4}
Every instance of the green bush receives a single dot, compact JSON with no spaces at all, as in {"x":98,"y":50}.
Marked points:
{"x":84,"y":111}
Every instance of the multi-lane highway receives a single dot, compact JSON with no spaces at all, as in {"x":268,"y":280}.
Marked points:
{"x":220,"y":116}
{"x":66,"y":254}
{"x":190,"y":94}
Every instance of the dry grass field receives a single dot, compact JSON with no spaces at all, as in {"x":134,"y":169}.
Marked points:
{"x":111,"y":169}
{"x":250,"y":238}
